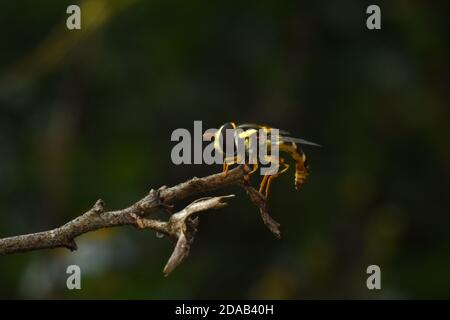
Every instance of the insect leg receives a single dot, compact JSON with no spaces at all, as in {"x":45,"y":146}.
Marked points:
{"x":263,"y":183}
{"x":255,"y":168}
{"x":226,"y":163}
{"x":225,"y":169}
{"x":271,"y":178}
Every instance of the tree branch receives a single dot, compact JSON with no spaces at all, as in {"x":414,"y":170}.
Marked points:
{"x":180,"y":227}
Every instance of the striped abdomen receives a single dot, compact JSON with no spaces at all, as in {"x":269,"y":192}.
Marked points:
{"x":301,"y":170}
{"x":301,"y":164}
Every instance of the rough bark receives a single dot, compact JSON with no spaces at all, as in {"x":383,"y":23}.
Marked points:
{"x":180,"y":227}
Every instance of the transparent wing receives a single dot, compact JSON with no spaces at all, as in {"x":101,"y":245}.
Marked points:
{"x":300,"y":141}
{"x":251,"y":129}
{"x":246,"y":126}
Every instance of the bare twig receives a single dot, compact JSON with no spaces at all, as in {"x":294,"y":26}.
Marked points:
{"x":260,"y":201}
{"x":181,"y":226}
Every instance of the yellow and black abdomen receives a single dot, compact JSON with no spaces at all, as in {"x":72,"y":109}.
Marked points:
{"x":301,"y":163}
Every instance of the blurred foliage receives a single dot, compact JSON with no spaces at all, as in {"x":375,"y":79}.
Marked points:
{"x":88,"y":114}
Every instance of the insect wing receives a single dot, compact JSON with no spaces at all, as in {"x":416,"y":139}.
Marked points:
{"x":300,"y":141}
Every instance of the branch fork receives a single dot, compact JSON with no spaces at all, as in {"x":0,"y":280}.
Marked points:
{"x":181,"y":226}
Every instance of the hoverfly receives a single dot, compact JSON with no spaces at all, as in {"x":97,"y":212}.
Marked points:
{"x":286,"y":144}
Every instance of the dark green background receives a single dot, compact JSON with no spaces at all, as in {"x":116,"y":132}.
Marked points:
{"x":88,"y":114}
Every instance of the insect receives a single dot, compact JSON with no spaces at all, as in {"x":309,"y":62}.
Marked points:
{"x":285,"y":143}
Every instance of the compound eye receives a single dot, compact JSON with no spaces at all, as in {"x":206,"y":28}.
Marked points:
{"x":227,"y":126}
